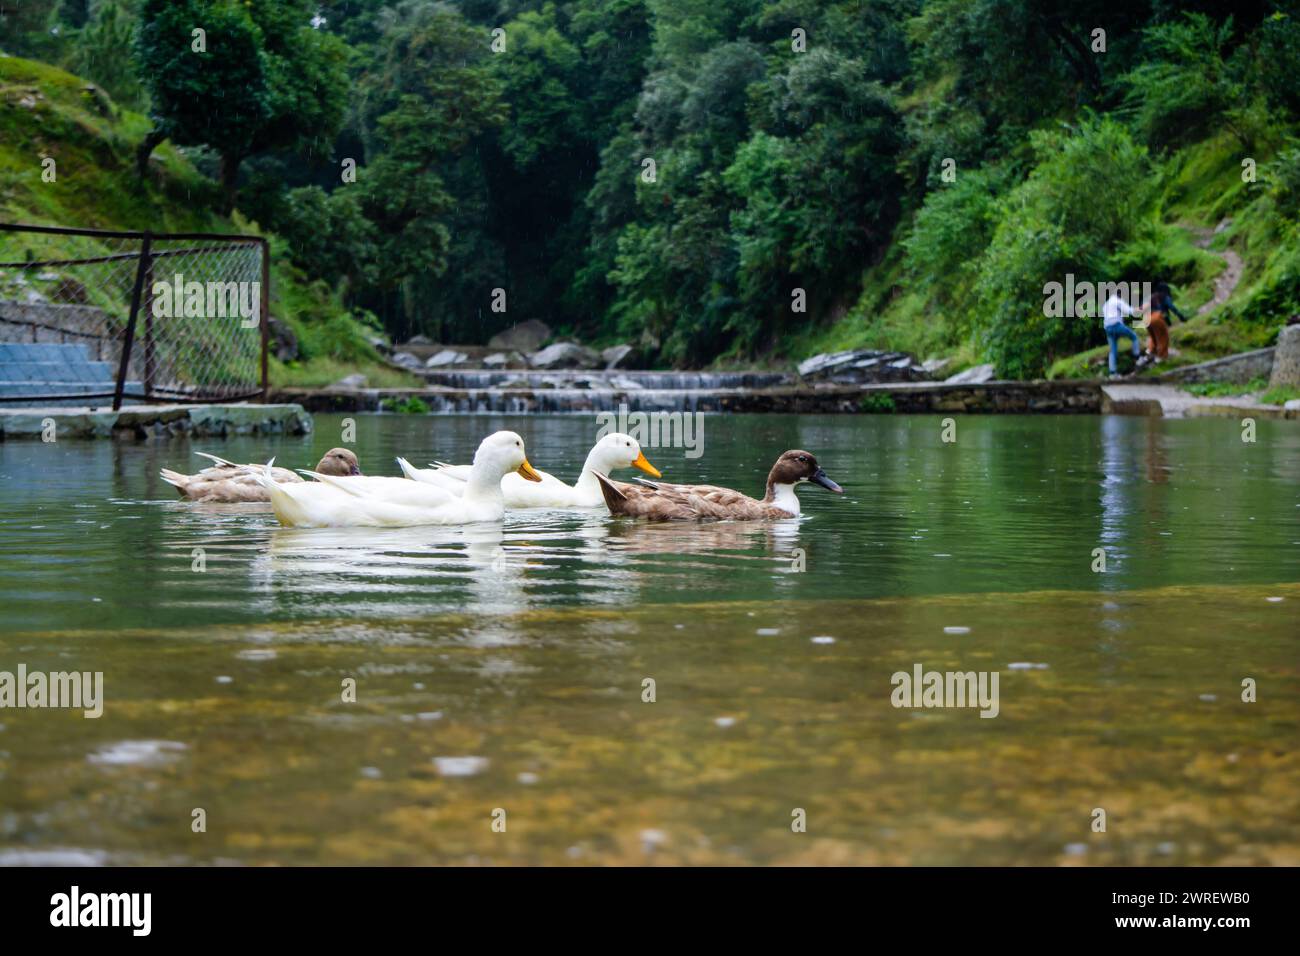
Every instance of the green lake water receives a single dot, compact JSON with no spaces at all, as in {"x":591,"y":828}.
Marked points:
{"x":501,"y":667}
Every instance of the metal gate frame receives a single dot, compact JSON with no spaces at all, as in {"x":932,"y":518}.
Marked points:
{"x":128,"y":339}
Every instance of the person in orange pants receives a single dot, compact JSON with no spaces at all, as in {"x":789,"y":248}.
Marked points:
{"x":1157,"y":336}
{"x":1161,"y":306}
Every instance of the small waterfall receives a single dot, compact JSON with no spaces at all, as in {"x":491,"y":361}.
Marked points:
{"x":617,"y":380}
{"x":580,"y":400}
{"x":524,"y":391}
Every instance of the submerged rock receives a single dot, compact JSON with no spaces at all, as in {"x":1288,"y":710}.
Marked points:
{"x":862,"y":367}
{"x":460,"y":766}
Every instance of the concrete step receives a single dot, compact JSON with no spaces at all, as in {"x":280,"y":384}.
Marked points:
{"x":43,"y":352}
{"x":35,"y":389}
{"x":79,"y":371}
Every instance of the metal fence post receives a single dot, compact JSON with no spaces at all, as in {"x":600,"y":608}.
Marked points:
{"x":149,"y":355}
{"x":265,"y":306}
{"x":129,"y":338}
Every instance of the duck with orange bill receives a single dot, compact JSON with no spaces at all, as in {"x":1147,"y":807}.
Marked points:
{"x":613,"y":451}
{"x":340,"y":502}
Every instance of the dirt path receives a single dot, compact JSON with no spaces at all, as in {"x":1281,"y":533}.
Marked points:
{"x":1226,"y":281}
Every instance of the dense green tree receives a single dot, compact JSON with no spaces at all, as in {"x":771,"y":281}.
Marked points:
{"x":670,"y":171}
{"x":259,"y":77}
{"x":97,"y":53}
{"x":430,"y":96}
{"x":1089,"y":194}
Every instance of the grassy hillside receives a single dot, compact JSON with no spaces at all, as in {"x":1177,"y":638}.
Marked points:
{"x":46,"y":112}
{"x":1204,"y":212}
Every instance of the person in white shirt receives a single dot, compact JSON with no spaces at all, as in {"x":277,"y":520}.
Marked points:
{"x":1113,"y":314}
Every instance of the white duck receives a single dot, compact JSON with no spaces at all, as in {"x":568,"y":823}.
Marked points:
{"x":612,"y":452}
{"x":333,"y":502}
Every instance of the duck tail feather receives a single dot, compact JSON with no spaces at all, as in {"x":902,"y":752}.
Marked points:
{"x":219,"y":461}
{"x":288,"y":511}
{"x":334,"y":482}
{"x":408,"y":469}
{"x":174,"y":478}
{"x":614,"y":499}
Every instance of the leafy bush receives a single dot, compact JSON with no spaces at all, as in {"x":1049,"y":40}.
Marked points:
{"x":408,"y":405}
{"x":1185,"y":89}
{"x":877,"y":403}
{"x":954,"y":225}
{"x":1084,"y":199}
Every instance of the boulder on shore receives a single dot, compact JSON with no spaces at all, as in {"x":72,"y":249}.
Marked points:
{"x":446,"y":358}
{"x":619,"y":356}
{"x":284,"y":344}
{"x":522,"y":337}
{"x":975,"y":375}
{"x":500,"y":360}
{"x":1286,"y":358}
{"x":862,"y":367}
{"x":406,"y":360}
{"x":565,"y":355}
{"x":351,"y":382}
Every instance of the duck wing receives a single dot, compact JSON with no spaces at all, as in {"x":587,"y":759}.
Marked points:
{"x":664,"y":501}
{"x":436,"y":477}
{"x":225,"y":481}
{"x":550,"y":492}
{"x":392,"y":491}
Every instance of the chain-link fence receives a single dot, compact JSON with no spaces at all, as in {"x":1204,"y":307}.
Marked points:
{"x":88,"y":314}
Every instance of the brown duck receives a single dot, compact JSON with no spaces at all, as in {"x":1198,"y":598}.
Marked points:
{"x":661,"y":501}
{"x":227,"y":481}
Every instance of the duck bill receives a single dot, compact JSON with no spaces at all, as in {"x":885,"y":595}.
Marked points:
{"x":526,"y":471}
{"x":821,"y":478}
{"x":354,"y":470}
{"x":644,"y":464}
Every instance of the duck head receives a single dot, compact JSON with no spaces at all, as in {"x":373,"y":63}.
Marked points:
{"x":796,"y":467}
{"x":339,"y":462}
{"x":617,"y":450}
{"x":501,"y":453}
